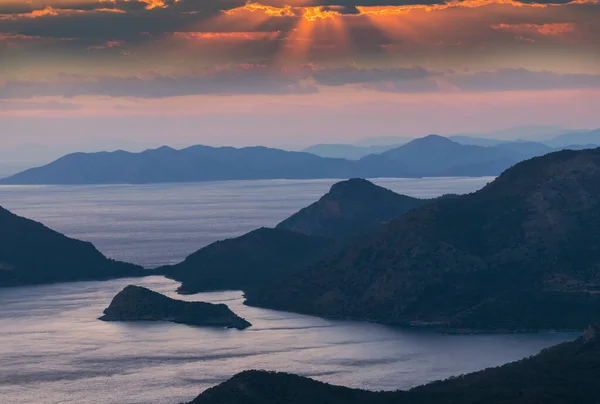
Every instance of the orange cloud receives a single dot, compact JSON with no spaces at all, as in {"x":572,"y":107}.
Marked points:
{"x":49,"y":11}
{"x":226,"y":36}
{"x":154,"y":4}
{"x":271,"y":11}
{"x":107,"y":45}
{"x":316,"y":13}
{"x":544,"y":29}
{"x":308,"y":13}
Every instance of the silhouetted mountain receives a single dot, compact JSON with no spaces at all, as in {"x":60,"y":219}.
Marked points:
{"x":570,"y":139}
{"x":476,"y":141}
{"x":522,"y":253}
{"x":196,"y":163}
{"x":135,"y":303}
{"x":529,"y":133}
{"x":347,"y":151}
{"x":437,"y":156}
{"x":432,"y":155}
{"x":525,"y":149}
{"x":350,"y":208}
{"x":248,"y":261}
{"x":31,"y":253}
{"x":565,"y":374}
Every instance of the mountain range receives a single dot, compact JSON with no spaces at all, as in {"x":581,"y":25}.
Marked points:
{"x":521,"y":253}
{"x":548,"y":139}
{"x":429,"y":156}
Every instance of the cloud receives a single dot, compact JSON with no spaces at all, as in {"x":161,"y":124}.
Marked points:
{"x":52,"y":105}
{"x":241,"y":79}
{"x":557,"y":28}
{"x":260,"y":79}
{"x":352,"y":75}
{"x":523,"y":80}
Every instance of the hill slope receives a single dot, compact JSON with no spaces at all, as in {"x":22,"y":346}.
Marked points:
{"x":522,"y":253}
{"x":565,"y":374}
{"x":350,"y":208}
{"x":31,"y":253}
{"x":248,"y":261}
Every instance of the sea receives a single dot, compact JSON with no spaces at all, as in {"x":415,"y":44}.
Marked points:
{"x":53,"y":350}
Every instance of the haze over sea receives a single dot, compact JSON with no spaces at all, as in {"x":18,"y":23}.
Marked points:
{"x":53,"y":350}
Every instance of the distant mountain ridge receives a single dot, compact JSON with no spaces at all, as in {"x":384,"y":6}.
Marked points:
{"x":348,"y":151}
{"x":522,"y":253}
{"x":195,"y":163}
{"x":203,"y":163}
{"x":430,"y":156}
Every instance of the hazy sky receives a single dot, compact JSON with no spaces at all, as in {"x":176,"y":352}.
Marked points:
{"x":100,"y":72}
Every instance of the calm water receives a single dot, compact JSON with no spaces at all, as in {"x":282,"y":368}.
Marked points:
{"x":153,"y":225}
{"x":53,"y":350}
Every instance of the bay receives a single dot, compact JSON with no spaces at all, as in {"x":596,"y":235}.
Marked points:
{"x":53,"y":350}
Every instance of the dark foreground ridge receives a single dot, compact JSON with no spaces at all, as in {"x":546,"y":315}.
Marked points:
{"x":31,"y":253}
{"x":568,"y":373}
{"x":135,"y":303}
{"x":521,"y":254}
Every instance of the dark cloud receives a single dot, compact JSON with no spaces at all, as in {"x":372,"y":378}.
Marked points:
{"x":268,"y":80}
{"x":523,"y":80}
{"x":353,"y":75}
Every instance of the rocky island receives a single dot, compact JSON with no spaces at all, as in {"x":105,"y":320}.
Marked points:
{"x":136,"y":303}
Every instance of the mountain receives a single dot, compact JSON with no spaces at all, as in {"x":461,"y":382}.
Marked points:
{"x":350,"y":208}
{"x":525,"y":149}
{"x":530,"y":133}
{"x":31,"y":253}
{"x":567,"y":140}
{"x":565,"y":374}
{"x":437,"y":156}
{"x":196,"y":163}
{"x":522,"y":253}
{"x":248,"y":261}
{"x":432,"y":155}
{"x":135,"y":303}
{"x":476,"y":141}
{"x":346,"y":151}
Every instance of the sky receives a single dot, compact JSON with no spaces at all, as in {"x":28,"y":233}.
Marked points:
{"x":103,"y":73}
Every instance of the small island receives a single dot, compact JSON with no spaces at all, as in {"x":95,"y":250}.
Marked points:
{"x":136,"y":303}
